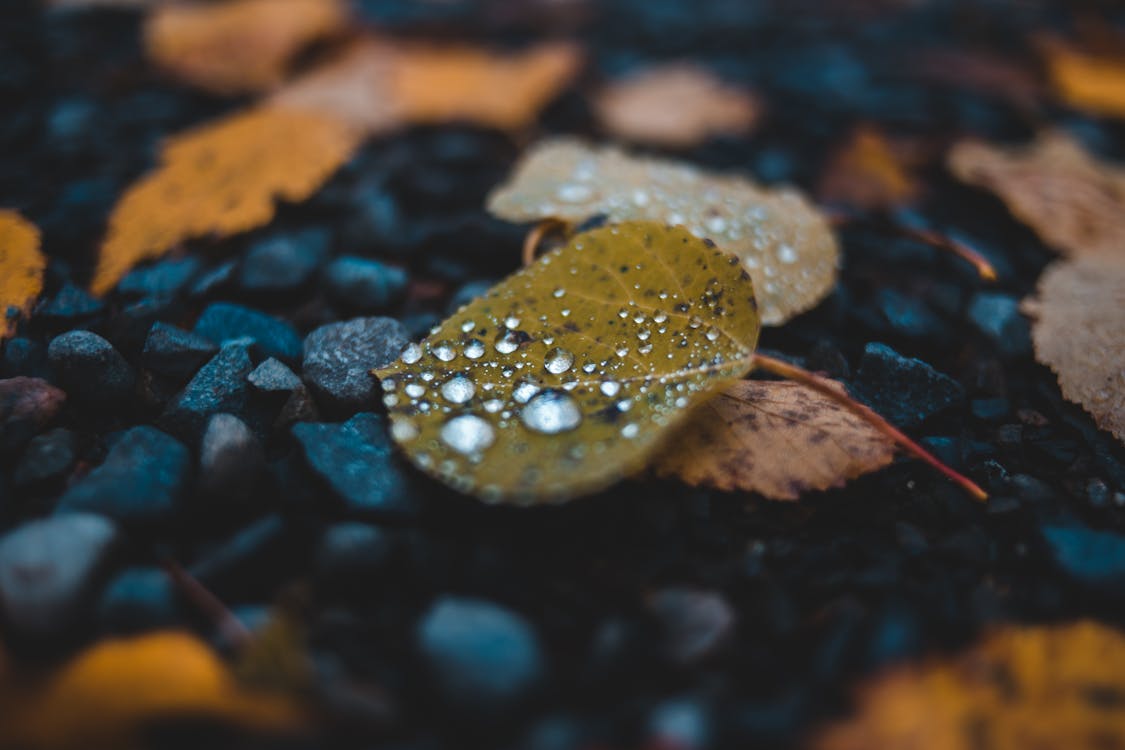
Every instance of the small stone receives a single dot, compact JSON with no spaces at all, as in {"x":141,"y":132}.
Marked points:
{"x":357,"y":462}
{"x":682,"y":723}
{"x":903,"y":390}
{"x":27,"y":405}
{"x":283,"y":393}
{"x":214,"y":280}
{"x":339,"y":358}
{"x":90,"y":369}
{"x":1096,"y":558}
{"x":175,"y":353}
{"x":231,"y":459}
{"x":364,"y":285}
{"x":48,"y":457}
{"x":138,"y":600}
{"x":71,"y":304}
{"x":990,"y":409}
{"x":352,"y":550}
{"x":222,"y":322}
{"x":284,"y":263}
{"x":249,"y":565}
{"x":219,"y":386}
{"x":997,"y":316}
{"x":23,"y":356}
{"x":908,"y":315}
{"x":129,"y":328}
{"x":166,"y":278}
{"x":274,"y":376}
{"x":695,"y":623}
{"x":482,"y":656}
{"x":49,"y":569}
{"x":141,"y":482}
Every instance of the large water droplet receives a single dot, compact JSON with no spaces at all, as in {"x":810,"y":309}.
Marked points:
{"x":558,"y":361}
{"x":474,"y":349}
{"x":551,"y":412}
{"x":610,"y":388}
{"x":444,"y":351}
{"x":512,"y":322}
{"x":403,"y":430}
{"x":411,"y":354}
{"x":467,"y":434}
{"x":524,"y":390}
{"x":415,"y":390}
{"x":507,"y":343}
{"x":458,"y":389}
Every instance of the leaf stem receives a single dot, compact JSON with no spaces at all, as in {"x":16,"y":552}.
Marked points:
{"x":824,"y":387}
{"x":536,"y":235}
{"x":224,"y":620}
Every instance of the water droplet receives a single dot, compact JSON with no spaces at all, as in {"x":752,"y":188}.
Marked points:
{"x":630,"y":430}
{"x":507,"y":343}
{"x":558,"y":293}
{"x":659,"y":316}
{"x":640,"y":198}
{"x":713,"y":334}
{"x":467,"y":326}
{"x":403,"y":430}
{"x":493,"y":405}
{"x":644,"y":348}
{"x":512,"y":322}
{"x":572,"y":193}
{"x":458,"y":389}
{"x":621,"y":350}
{"x":474,"y":349}
{"x":695,"y":321}
{"x":610,"y":388}
{"x":623,"y":313}
{"x":390,"y":400}
{"x":467,"y":434}
{"x":558,"y":361}
{"x":415,"y":390}
{"x":524,"y":390}
{"x":716,"y":225}
{"x":589,"y":367}
{"x":644,"y":334}
{"x":786,"y":254}
{"x":411,"y":354}
{"x":444,"y":351}
{"x":427,"y":376}
{"x":551,"y":412}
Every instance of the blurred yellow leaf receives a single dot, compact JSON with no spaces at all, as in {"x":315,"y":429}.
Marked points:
{"x":21,"y":268}
{"x":1090,"y":82}
{"x":869,"y":173}
{"x":566,"y":376}
{"x":237,"y":46}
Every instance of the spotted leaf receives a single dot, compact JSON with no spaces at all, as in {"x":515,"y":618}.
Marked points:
{"x":567,"y":376}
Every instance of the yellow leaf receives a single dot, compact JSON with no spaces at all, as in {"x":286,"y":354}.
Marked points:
{"x":869,"y":172}
{"x":566,"y":376}
{"x":221,"y":179}
{"x":785,"y":244}
{"x":775,"y":438}
{"x":237,"y":46}
{"x":1020,"y":688}
{"x":109,"y":694}
{"x":1092,"y":83}
{"x":21,"y":268}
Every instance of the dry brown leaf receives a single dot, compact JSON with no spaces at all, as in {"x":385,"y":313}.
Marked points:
{"x":221,"y":179}
{"x":1073,"y":202}
{"x":676,"y":105}
{"x":1079,"y":332}
{"x":1092,"y":83}
{"x":776,"y":438}
{"x":1020,"y":688}
{"x":870,"y":173}
{"x":237,"y":46}
{"x":21,"y":269}
{"x":111,"y":692}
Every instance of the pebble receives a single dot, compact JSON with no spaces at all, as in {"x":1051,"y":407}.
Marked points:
{"x":357,"y":462}
{"x":248,"y":566}
{"x":141,"y":482}
{"x":373,"y":220}
{"x":908,"y":315}
{"x":1096,"y":558}
{"x":231,"y":459}
{"x":214,"y":280}
{"x":139,"y":599}
{"x":352,"y":552}
{"x":223,"y":321}
{"x":483,"y":656}
{"x":339,"y":358}
{"x":695,"y":623}
{"x":997,"y":316}
{"x":284,"y":263}
{"x":90,"y":370}
{"x":219,"y":386}
{"x":71,"y":304}
{"x":680,"y":723}
{"x":363,"y":284}
{"x":129,"y":328}
{"x":23,"y":356}
{"x":903,"y":390}
{"x":48,"y":457}
{"x":282,"y":393}
{"x":174,"y":353}
{"x":49,"y":569}
{"x":27,"y":405}
{"x":166,"y":278}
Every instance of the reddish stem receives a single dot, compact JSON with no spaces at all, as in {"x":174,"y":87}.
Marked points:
{"x":536,"y":235}
{"x":227,"y":623}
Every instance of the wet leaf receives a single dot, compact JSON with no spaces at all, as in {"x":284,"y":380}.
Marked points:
{"x":869,"y":173}
{"x":237,"y":46}
{"x":676,"y":105}
{"x":1089,"y":82}
{"x":775,"y":438}
{"x":566,"y":376}
{"x":1073,"y":202}
{"x":109,"y":694}
{"x":784,"y":243}
{"x":1021,"y":687}
{"x":221,"y":179}
{"x":1079,"y":332}
{"x":21,"y":268}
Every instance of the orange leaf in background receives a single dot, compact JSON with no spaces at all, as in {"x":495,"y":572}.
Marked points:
{"x":1073,"y":202}
{"x":676,"y":105}
{"x":221,"y":179}
{"x":109,"y":694}
{"x":21,"y":268}
{"x":1020,"y":688}
{"x":776,"y":438}
{"x":1092,"y":83}
{"x":237,"y":46}
{"x":869,"y":173}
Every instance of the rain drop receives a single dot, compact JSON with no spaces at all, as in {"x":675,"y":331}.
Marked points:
{"x":474,"y":349}
{"x":512,"y":321}
{"x":444,"y":351}
{"x":558,"y":361}
{"x":467,"y":434}
{"x":558,"y":293}
{"x":415,"y":390}
{"x":523,"y":391}
{"x":786,"y":254}
{"x":411,"y":354}
{"x":551,"y":412}
{"x":458,"y":389}
{"x":713,"y":334}
{"x":403,"y":430}
{"x":630,"y":430}
{"x":507,"y":343}
{"x":610,"y":388}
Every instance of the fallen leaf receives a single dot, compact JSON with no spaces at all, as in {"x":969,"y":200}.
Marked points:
{"x":776,"y":438}
{"x":566,"y":376}
{"x":21,"y":269}
{"x":1073,"y":202}
{"x":237,"y":46}
{"x":1092,"y":83}
{"x":676,"y":105}
{"x":1079,"y":332}
{"x":221,"y":179}
{"x":1021,"y":687}
{"x":785,"y":244}
{"x":111,"y":693}
{"x":869,"y":173}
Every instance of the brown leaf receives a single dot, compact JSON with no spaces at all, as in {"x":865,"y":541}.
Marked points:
{"x":1089,"y":82}
{"x":1073,"y":202}
{"x":869,"y":173}
{"x":675,"y":105}
{"x":776,"y":438}
{"x":21,"y":269}
{"x":1079,"y":332}
{"x":1020,"y":688}
{"x":109,"y":694}
{"x":237,"y":46}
